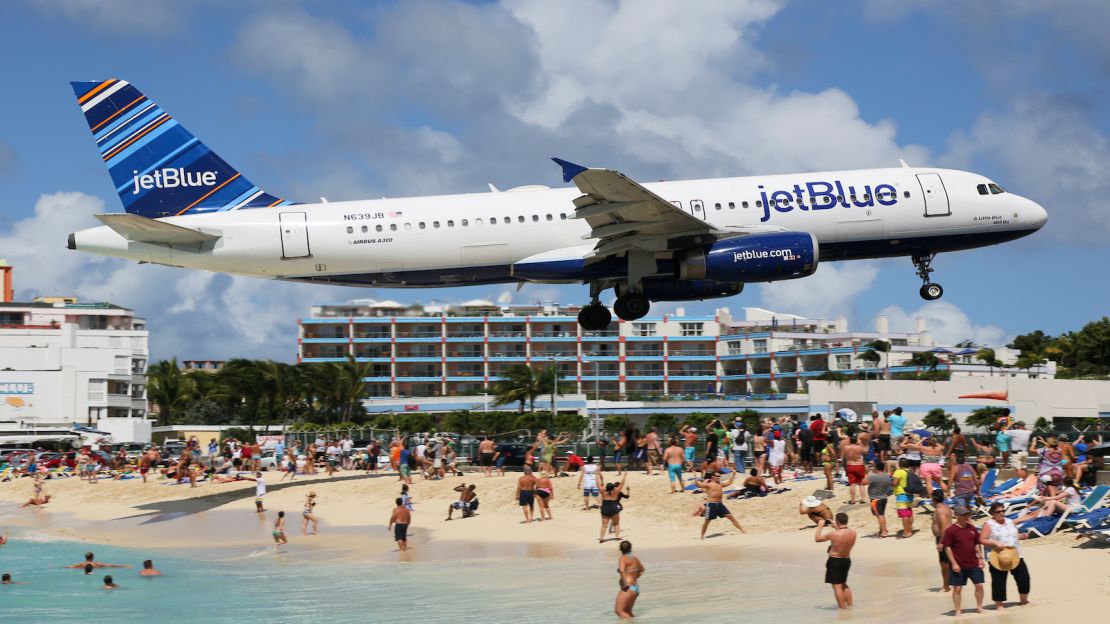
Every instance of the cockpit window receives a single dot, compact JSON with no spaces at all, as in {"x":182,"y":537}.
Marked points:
{"x":995,"y":189}
{"x":982,"y":188}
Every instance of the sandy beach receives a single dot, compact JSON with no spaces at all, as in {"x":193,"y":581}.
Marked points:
{"x":893,"y":579}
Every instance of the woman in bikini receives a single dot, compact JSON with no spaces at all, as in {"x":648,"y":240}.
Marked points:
{"x":545,"y":490}
{"x":309,"y":514}
{"x":630,"y":569}
{"x":279,"y":532}
{"x":611,"y":507}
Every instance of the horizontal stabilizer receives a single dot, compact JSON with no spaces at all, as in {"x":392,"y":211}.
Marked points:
{"x":143,"y":230}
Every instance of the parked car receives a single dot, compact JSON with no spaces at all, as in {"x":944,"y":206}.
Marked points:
{"x":268,"y":461}
{"x":5,"y":454}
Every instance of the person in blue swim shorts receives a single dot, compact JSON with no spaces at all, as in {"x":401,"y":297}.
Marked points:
{"x":673,"y":459}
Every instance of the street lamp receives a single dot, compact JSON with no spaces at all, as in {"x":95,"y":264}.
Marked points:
{"x":597,"y":395}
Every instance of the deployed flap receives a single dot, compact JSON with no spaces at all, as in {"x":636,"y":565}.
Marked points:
{"x":625,"y":216}
{"x":143,"y":230}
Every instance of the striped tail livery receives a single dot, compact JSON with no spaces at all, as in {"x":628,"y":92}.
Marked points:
{"x":158,"y":167}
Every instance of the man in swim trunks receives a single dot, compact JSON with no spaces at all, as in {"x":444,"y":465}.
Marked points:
{"x":882,"y":431}
{"x":714,"y":508}
{"x":942,"y":519}
{"x":690,"y":435}
{"x":879,"y":488}
{"x":673,"y":458}
{"x":654,"y":451}
{"x":839,"y":562}
{"x":852,"y":452}
{"x":526,"y":494}
{"x":399,"y":523}
{"x":466,"y":496}
{"x":485,"y":455}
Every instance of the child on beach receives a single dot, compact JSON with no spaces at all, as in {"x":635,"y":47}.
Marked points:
{"x":279,"y":532}
{"x":406,"y":500}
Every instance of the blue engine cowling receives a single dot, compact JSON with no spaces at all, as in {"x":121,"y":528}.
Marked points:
{"x":755,"y":258}
{"x":669,"y":289}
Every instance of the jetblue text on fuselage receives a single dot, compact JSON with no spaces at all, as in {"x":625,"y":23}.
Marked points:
{"x":825,"y":195}
{"x":760,"y":254}
{"x":172,"y":178}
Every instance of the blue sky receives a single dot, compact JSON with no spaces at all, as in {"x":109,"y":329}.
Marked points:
{"x":354,"y":99}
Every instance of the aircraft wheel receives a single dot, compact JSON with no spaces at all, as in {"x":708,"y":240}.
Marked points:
{"x":632,"y":306}
{"x":931,"y":291}
{"x":594,"y":317}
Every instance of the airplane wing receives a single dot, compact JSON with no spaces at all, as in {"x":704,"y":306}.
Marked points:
{"x":625,"y":216}
{"x":140,"y":229}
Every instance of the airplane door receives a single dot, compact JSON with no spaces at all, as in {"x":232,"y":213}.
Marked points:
{"x":936,"y":198}
{"x":697,"y":208}
{"x":294,"y":235}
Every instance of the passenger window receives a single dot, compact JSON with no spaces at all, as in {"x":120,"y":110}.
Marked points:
{"x":350,"y":230}
{"x":493,"y":221}
{"x":839,"y":198}
{"x":408,"y":227}
{"x":435,"y":224}
{"x":549,"y":218}
{"x":463,"y":222}
{"x":717,"y":205}
{"x":867,"y":197}
{"x":562,"y":216}
{"x":378,"y":228}
{"x":508,"y":219}
{"x":744,"y":204}
{"x":905,"y":194}
{"x":520,"y":219}
{"x":421,"y":226}
{"x":478,"y":221}
{"x":365,"y":229}
{"x":852,"y":197}
{"x":759,"y":203}
{"x":732,"y":205}
{"x":535,"y":218}
{"x":392,"y":227}
{"x":450,"y":223}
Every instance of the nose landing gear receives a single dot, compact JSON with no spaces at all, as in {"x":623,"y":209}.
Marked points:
{"x":930,"y":291}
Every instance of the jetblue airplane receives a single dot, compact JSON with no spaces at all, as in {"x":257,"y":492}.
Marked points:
{"x":667,"y":241}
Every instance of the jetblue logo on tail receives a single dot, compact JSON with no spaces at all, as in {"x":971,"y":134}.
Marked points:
{"x":172,"y":178}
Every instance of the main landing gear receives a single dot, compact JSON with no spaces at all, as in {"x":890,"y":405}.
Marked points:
{"x":629,"y":307}
{"x":594,"y":316}
{"x":929,"y":291}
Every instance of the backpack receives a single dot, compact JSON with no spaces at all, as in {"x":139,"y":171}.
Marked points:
{"x":914,"y":485}
{"x":741,"y":436}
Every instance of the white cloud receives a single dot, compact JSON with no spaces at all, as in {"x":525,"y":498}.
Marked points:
{"x":1049,"y":150}
{"x":947,"y":323}
{"x":190,"y":314}
{"x":826,"y":294}
{"x":142,"y":16}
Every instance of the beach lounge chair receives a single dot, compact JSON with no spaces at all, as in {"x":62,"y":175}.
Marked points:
{"x":989,"y":478}
{"x":1091,"y":512}
{"x":1045,"y":526}
{"x":1100,"y":535}
{"x":1002,"y":489}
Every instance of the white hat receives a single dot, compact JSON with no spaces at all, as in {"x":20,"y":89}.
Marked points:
{"x":1046,"y":478}
{"x":693,"y":429}
{"x":811,"y":501}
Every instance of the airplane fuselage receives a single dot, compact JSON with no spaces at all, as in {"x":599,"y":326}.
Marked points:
{"x":482,"y":238}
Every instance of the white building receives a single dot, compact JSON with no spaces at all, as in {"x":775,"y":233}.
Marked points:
{"x":64,"y":362}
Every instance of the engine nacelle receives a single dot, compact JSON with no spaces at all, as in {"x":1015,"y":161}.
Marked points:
{"x":756,"y":258}
{"x":668,"y":289}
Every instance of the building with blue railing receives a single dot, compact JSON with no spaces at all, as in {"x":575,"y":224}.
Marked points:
{"x":437,"y":350}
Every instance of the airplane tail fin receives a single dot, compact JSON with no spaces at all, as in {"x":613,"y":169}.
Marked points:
{"x":158,"y":167}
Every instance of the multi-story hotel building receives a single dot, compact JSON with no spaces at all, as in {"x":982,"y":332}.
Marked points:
{"x":424,"y":351}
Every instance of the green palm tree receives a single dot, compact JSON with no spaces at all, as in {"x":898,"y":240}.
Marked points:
{"x":248,"y":388}
{"x":520,"y":384}
{"x":987,"y":357}
{"x":881,"y":346}
{"x":168,"y":387}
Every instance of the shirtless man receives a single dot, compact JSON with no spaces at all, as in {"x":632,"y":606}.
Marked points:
{"x":714,"y":508}
{"x":852,"y":453}
{"x":485,"y":455}
{"x":466,"y":495}
{"x":882,"y":429}
{"x":817,"y":511}
{"x":399,"y":523}
{"x":654,"y":450}
{"x":942,"y":519}
{"x":839,"y":562}
{"x":149,"y":570}
{"x":90,"y":560}
{"x":690,"y":435}
{"x":526,"y":494}
{"x":673,"y":459}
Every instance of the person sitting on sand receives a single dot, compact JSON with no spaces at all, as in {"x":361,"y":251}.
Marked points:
{"x":90,"y":560}
{"x":755,"y":485}
{"x":37,"y":501}
{"x":148,"y":569}
{"x":815,"y":510}
{"x":466,"y":498}
{"x":109,"y":583}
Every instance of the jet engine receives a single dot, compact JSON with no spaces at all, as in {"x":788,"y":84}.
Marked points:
{"x":756,"y":258}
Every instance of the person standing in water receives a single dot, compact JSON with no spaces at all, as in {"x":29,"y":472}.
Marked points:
{"x":309,"y":514}
{"x":839,"y":562}
{"x":399,"y":523}
{"x":630,"y":569}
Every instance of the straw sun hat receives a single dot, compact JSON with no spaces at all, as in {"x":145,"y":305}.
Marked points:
{"x":811,"y":501}
{"x":1006,"y":559}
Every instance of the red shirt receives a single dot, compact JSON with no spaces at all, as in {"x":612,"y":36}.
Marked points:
{"x":964,"y":542}
{"x":818,"y":429}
